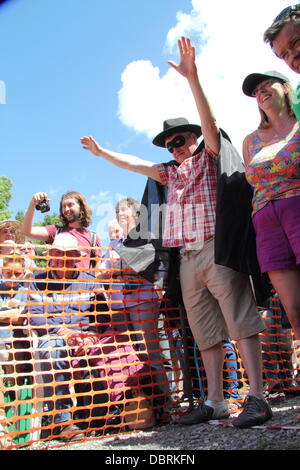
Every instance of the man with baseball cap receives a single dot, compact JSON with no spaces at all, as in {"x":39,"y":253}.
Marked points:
{"x":67,"y":311}
{"x":219,"y":301}
{"x":284,"y":38}
{"x":66,"y":308}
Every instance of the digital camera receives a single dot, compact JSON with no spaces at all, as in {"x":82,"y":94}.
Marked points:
{"x":43,"y":206}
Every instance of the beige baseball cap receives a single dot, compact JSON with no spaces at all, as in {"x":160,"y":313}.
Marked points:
{"x":65,"y":242}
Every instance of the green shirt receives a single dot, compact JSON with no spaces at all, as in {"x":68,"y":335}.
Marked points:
{"x":296,"y":102}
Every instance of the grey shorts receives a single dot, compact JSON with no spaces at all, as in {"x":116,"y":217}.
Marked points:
{"x":218,"y":300}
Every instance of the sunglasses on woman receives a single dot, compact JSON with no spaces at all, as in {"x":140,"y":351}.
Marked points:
{"x":263,"y":87}
{"x":178,"y":141}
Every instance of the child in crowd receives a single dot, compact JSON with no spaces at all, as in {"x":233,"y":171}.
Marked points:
{"x":13,"y":298}
{"x":28,"y":251}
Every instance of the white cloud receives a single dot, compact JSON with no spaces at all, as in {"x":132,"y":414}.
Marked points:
{"x":229,"y":44}
{"x":187,"y":24}
{"x":52,"y":191}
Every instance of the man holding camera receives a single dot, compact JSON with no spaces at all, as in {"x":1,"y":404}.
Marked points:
{"x":75,"y":215}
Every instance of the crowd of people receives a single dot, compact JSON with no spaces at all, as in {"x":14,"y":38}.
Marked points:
{"x":220,"y":302}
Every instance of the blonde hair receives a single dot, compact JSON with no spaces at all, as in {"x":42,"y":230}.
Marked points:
{"x":14,"y":259}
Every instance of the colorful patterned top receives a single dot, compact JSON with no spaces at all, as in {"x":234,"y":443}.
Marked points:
{"x":274,"y":168}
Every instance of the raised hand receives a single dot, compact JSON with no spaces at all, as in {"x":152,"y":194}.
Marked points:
{"x":187,"y":65}
{"x":39,"y":197}
{"x":89,"y":143}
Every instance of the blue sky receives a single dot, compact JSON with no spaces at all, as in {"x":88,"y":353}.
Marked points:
{"x":91,"y":67}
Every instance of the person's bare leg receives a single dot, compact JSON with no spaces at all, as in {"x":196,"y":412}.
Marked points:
{"x":251,"y":355}
{"x":256,"y":409}
{"x":213,"y":360}
{"x":214,"y":406}
{"x":286,"y":283}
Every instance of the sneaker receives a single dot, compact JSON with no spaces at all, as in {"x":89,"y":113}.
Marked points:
{"x":205,"y":413}
{"x":255,"y":411}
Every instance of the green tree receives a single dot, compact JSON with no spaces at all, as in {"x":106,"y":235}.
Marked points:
{"x":50,"y":219}
{"x":20,"y":216}
{"x":5,"y":197}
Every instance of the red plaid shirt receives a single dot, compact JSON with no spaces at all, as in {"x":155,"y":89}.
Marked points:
{"x":191,"y":208}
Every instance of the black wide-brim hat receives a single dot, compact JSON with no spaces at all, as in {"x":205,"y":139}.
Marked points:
{"x":172,"y":126}
{"x":254,"y":79}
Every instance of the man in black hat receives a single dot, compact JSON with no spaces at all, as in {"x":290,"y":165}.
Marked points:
{"x":219,"y":301}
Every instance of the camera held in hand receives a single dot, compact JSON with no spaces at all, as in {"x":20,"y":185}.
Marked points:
{"x":43,"y":206}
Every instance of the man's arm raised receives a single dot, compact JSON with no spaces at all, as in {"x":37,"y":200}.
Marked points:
{"x":125,"y":161}
{"x":38,"y":233}
{"x":187,"y":68}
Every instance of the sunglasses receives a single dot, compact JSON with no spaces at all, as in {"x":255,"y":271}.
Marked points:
{"x":178,"y":141}
{"x":263,"y":87}
{"x":286,"y":11}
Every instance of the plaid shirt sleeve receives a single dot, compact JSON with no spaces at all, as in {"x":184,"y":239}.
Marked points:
{"x":164,"y":172}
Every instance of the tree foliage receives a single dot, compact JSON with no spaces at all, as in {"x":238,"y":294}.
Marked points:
{"x":50,"y":219}
{"x":5,"y":197}
{"x":20,"y":216}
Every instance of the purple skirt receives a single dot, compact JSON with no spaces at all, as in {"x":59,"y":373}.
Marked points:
{"x":277,"y":228}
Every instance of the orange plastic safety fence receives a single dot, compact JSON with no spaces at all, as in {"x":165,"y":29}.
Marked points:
{"x":88,"y":352}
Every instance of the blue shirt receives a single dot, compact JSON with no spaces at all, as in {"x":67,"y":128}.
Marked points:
{"x":56,"y":304}
{"x":8,"y":297}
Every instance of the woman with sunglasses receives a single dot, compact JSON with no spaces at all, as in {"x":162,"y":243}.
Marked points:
{"x":272,"y":158}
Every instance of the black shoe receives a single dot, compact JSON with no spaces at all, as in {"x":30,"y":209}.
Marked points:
{"x":205,"y":413}
{"x":255,"y":411}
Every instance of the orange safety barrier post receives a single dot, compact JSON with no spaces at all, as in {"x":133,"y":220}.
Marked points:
{"x":87,"y":354}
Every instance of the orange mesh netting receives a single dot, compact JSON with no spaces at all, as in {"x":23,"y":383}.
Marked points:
{"x":104,"y":353}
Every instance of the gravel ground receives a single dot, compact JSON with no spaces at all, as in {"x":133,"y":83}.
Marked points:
{"x":211,"y":436}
